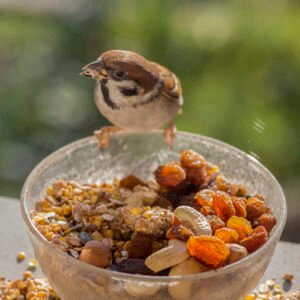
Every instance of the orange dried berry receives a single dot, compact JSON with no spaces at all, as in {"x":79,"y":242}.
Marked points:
{"x":196,"y":176}
{"x":206,"y":210}
{"x":209,"y":250}
{"x":240,"y":206}
{"x":215,"y":222}
{"x":212,"y":170}
{"x":223,"y":206}
{"x":225,"y":186}
{"x":227,"y":235}
{"x":255,"y":208}
{"x":256,"y":239}
{"x":205,"y":197}
{"x":241,"y":225}
{"x":191,"y":159}
{"x":170,"y":175}
{"x":266,"y":220}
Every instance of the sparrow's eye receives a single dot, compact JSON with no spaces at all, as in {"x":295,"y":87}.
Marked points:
{"x":118,"y":74}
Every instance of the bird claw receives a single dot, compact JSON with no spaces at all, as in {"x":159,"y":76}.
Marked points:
{"x":103,"y":135}
{"x":170,"y":134}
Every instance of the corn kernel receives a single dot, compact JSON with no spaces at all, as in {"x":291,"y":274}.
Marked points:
{"x":33,"y":263}
{"x":21,"y":256}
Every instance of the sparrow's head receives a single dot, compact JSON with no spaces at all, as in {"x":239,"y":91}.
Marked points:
{"x":128,"y":77}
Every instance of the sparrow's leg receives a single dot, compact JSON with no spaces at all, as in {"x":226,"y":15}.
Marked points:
{"x":103,"y":135}
{"x":170,"y":134}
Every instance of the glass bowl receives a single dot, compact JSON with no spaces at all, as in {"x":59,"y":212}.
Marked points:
{"x":140,"y":154}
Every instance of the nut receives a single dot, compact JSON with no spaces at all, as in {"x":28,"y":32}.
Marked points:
{"x":167,"y":257}
{"x":96,"y":253}
{"x":237,"y":252}
{"x":193,"y":220}
{"x":140,"y":246}
{"x":182,"y":290}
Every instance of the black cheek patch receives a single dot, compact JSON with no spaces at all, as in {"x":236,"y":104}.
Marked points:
{"x":129,"y":92}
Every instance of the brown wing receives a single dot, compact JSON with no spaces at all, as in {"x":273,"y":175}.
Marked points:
{"x":172,"y":86}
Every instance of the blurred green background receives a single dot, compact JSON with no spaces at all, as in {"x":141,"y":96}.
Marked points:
{"x":239,"y":63}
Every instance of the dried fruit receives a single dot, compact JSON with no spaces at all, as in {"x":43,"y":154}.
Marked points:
{"x":266,"y":220}
{"x":237,"y":252}
{"x":232,"y":189}
{"x":134,"y":266}
{"x":255,"y":208}
{"x":240,"y":206}
{"x":206,"y":210}
{"x":140,"y":246}
{"x":209,"y":250}
{"x":167,"y":257}
{"x":227,"y":235}
{"x":182,"y":290}
{"x":215,"y":222}
{"x":192,"y":219}
{"x":191,"y":159}
{"x":241,"y":225}
{"x":223,"y":206}
{"x":196,"y":176}
{"x":96,"y":253}
{"x":256,"y":239}
{"x":170,"y":175}
{"x":129,"y":182}
{"x":205,"y":197}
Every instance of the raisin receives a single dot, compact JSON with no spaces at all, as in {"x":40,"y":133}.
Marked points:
{"x":266,"y":220}
{"x":191,"y":159}
{"x":205,"y":197}
{"x":215,"y":222}
{"x":209,"y":250}
{"x":225,"y":186}
{"x":256,"y":239}
{"x":129,"y":182}
{"x":223,"y":206}
{"x":255,"y":208}
{"x":240,"y":206}
{"x":134,"y":266}
{"x":170,"y":175}
{"x":241,"y":225}
{"x":227,"y":235}
{"x":140,"y":246}
{"x":196,"y":176}
{"x":206,"y":210}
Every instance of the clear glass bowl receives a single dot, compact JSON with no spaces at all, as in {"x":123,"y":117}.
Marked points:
{"x":140,"y":154}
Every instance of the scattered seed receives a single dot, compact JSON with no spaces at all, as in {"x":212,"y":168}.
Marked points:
{"x":84,"y":237}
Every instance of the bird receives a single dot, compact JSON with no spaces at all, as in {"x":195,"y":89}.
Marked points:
{"x":134,"y":94}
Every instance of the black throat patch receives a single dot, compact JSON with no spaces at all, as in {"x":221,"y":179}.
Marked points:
{"x":105,"y":93}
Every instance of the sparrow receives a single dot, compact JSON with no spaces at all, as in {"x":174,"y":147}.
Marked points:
{"x":134,"y":94}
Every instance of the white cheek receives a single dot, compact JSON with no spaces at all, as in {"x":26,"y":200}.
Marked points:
{"x":114,"y":92}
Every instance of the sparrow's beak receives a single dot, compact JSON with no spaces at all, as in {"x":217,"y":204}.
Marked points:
{"x":95,"y":70}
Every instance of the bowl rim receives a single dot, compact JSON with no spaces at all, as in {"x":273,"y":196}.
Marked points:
{"x":276,"y":232}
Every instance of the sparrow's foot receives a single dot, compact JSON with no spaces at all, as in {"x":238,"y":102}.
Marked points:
{"x":103,"y":135}
{"x":170,"y":134}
